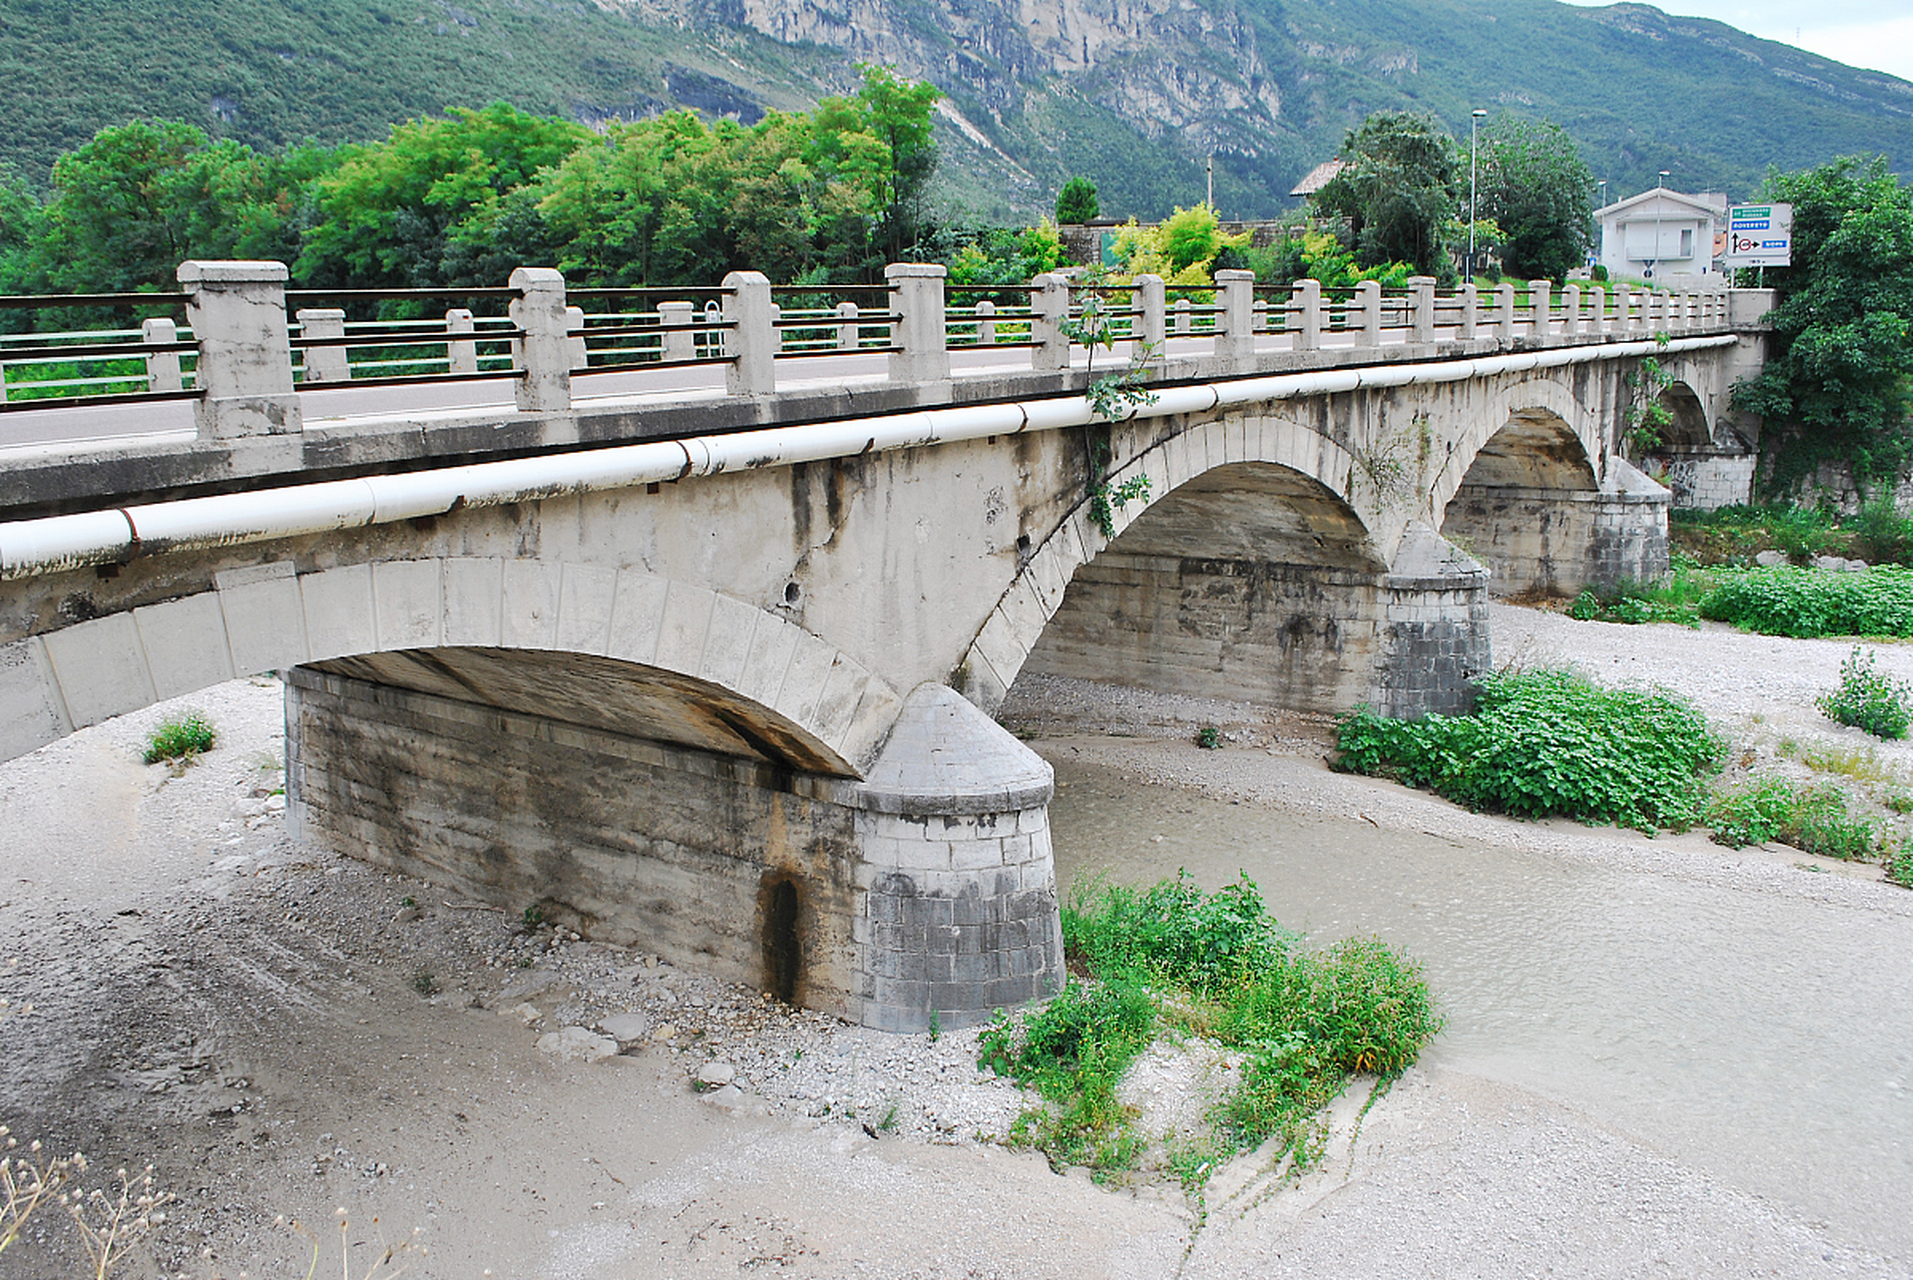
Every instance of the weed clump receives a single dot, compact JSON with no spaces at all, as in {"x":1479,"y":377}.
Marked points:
{"x":1868,"y":699}
{"x":180,"y":738}
{"x":1812,"y":818}
{"x":1171,"y":959}
{"x":1550,"y":743}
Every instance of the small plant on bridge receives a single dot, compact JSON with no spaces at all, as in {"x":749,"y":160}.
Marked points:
{"x":180,"y":738}
{"x":1550,"y":743}
{"x":1868,"y":698}
{"x":1647,"y":418}
{"x":1172,"y":960}
{"x":1117,"y":395}
{"x":1105,"y":499}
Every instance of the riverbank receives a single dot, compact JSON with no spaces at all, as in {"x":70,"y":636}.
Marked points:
{"x":283,"y":1032}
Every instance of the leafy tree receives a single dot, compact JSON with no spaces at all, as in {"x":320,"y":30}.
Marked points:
{"x":1183,"y":249}
{"x":1076,"y":202}
{"x":1533,"y":185}
{"x":1001,"y":258}
{"x":22,"y":223}
{"x":389,"y":214}
{"x":1399,"y":188}
{"x":1838,"y":382}
{"x":139,"y":198}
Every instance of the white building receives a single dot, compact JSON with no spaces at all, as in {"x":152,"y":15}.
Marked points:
{"x":1660,"y":235}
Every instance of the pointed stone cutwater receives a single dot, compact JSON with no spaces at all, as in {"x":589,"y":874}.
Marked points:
{"x":958,"y":914}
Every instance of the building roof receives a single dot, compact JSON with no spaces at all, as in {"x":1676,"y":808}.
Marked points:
{"x":1680,"y":202}
{"x":1318,"y":177}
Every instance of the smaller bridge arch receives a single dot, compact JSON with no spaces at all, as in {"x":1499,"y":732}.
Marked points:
{"x":1247,"y":567}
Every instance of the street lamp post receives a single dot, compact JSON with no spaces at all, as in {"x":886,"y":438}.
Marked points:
{"x":1475,"y":117}
{"x":1600,"y":227}
{"x":1654,"y":266}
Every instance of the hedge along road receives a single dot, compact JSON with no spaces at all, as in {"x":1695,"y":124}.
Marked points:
{"x":1733,"y":1012}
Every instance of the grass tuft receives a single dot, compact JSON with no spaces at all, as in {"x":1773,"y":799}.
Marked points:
{"x":180,"y":738}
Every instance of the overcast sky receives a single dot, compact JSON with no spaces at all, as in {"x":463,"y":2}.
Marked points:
{"x":1877,"y":34}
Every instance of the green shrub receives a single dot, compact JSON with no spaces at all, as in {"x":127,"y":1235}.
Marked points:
{"x":180,"y":738}
{"x":1786,"y":601}
{"x":1546,"y":743}
{"x":1868,"y":699}
{"x":1675,"y":600}
{"x":1899,"y":867}
{"x":1172,"y":958}
{"x":1810,"y":818}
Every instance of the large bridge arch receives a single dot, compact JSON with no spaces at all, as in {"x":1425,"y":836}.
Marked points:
{"x":767,"y":686}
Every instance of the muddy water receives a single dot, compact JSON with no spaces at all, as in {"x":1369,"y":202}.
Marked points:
{"x":1762,"y":1038}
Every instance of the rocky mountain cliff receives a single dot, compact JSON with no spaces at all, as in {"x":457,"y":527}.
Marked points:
{"x":1135,"y":93}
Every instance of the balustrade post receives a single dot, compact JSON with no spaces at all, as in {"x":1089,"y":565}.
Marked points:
{"x":752,"y":336}
{"x":716,"y":341}
{"x":1305,"y":298}
{"x":1368,"y":302}
{"x":1150,"y":315}
{"x":461,"y":354}
{"x":1421,"y":308}
{"x":162,"y":367}
{"x":1235,"y":340}
{"x":1470,"y":298}
{"x":1504,"y":313}
{"x":575,"y":326}
{"x":1185,"y":317}
{"x":916,"y":300}
{"x":1623,"y":309}
{"x":1597,"y":309}
{"x":544,"y":352}
{"x":848,"y":330}
{"x":1571,"y":309}
{"x":985,"y":323}
{"x":1540,"y":308}
{"x":323,"y":364}
{"x":1049,"y":312}
{"x":237,"y":312}
{"x":676,"y":342}
{"x":1260,"y":324}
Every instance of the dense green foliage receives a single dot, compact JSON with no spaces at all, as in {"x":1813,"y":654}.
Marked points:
{"x":1787,"y":601}
{"x":1077,"y":202}
{"x":180,"y":738}
{"x":1171,"y":959}
{"x":1838,"y":382}
{"x":1400,"y":187}
{"x":1868,"y":698}
{"x":1876,"y":533}
{"x":1535,"y":188}
{"x":1547,"y":743}
{"x":462,"y":199}
{"x":1810,"y":817}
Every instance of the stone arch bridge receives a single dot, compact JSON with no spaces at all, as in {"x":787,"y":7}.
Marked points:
{"x":727,"y":691}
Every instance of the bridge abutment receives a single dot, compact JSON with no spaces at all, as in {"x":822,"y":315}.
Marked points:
{"x":925,"y":892}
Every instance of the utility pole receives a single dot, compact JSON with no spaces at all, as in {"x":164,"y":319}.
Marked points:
{"x":1212,"y":182}
{"x":1475,"y":117}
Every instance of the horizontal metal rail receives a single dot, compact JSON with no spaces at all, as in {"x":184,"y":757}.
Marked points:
{"x":62,"y":402}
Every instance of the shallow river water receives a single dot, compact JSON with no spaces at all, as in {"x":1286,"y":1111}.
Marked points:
{"x":1763,"y":1038}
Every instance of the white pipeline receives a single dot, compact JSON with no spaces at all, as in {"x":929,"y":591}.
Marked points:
{"x":56,"y":543}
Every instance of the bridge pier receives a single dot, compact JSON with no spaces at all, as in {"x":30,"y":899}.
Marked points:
{"x":924,"y":891}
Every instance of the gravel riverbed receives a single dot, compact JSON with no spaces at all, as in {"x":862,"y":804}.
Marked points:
{"x":281,"y":1032}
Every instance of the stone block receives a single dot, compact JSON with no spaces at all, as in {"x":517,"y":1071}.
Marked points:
{"x":407,"y":601}
{"x":772,"y":644}
{"x":528,"y":613}
{"x":264,"y":616}
{"x":637,"y":616}
{"x":586,"y":594}
{"x":338,"y":611}
{"x":100,"y":668}
{"x":184,"y":642}
{"x":683,"y":627}
{"x":474,"y":590}
{"x":31,"y":712}
{"x":727,"y":644}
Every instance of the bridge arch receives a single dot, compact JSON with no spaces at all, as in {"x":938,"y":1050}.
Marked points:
{"x":1539,"y":419}
{"x":699,"y":668}
{"x":1234,"y":484}
{"x":1687,"y":425}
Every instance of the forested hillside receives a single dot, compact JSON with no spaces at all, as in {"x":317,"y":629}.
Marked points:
{"x":1136,"y":93}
